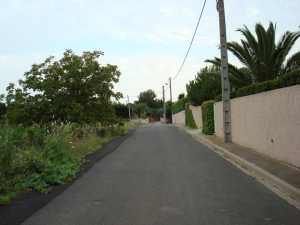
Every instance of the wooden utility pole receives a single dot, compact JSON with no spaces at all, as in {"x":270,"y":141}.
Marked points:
{"x":170,"y":85}
{"x":224,"y":73}
{"x":129,"y":110}
{"x":164,"y":102}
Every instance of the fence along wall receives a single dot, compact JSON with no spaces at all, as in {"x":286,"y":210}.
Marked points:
{"x":197,"y":114}
{"x":268,"y":122}
{"x":179,"y":118}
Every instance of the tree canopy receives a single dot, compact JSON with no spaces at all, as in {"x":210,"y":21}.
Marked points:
{"x":181,"y":96}
{"x":148,"y":104}
{"x":147,"y":97}
{"x":264,"y":58}
{"x":75,"y":88}
{"x":206,"y":86}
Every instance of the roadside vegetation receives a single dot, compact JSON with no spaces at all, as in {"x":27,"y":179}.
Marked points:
{"x":179,"y":105}
{"x":208,"y":117}
{"x":147,"y":105}
{"x":189,"y":119}
{"x":62,"y":111}
{"x":35,"y":158}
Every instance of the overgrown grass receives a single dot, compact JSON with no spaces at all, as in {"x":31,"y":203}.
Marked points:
{"x":36,"y":158}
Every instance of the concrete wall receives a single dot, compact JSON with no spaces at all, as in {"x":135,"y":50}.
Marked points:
{"x":268,"y":122}
{"x":218,"y":119}
{"x":179,"y":118}
{"x":197,"y":114}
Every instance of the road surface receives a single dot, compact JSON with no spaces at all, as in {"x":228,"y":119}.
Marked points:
{"x":161,"y":176}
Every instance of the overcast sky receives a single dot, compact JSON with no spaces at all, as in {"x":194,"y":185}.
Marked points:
{"x":146,"y":39}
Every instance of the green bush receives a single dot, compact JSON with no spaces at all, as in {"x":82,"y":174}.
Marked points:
{"x":38,"y":157}
{"x":208,"y":117}
{"x":179,"y":105}
{"x":31,"y":159}
{"x":189,"y":118}
{"x":289,"y":79}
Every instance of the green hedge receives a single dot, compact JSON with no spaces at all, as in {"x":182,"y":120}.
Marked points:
{"x":290,"y":79}
{"x":287,"y":80}
{"x":189,"y":118}
{"x":208,"y":117}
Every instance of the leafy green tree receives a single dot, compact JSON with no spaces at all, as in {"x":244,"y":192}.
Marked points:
{"x":206,"y":86}
{"x":155,"y":113}
{"x":181,"y":96}
{"x":18,"y":105}
{"x":261,"y":55}
{"x":151,"y":105}
{"x":148,"y":97}
{"x":75,"y":88}
{"x":139,"y":109}
{"x":239,"y":77}
{"x":121,"y":110}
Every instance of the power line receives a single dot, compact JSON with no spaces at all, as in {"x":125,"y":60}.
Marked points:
{"x":191,"y":43}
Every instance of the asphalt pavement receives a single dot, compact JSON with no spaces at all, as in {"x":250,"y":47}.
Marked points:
{"x":162,"y":176}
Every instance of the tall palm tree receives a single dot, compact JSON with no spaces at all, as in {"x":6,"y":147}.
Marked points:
{"x":264,"y":58}
{"x":239,"y":77}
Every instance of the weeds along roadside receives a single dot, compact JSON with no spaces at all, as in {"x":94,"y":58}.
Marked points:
{"x":36,"y":158}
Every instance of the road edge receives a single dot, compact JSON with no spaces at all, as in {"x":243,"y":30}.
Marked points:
{"x":281,"y":188}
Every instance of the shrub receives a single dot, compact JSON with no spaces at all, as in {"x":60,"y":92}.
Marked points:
{"x":208,"y":117}
{"x":189,"y":118}
{"x":101,"y":132}
{"x":121,"y":110}
{"x":31,"y":159}
{"x":289,"y":79}
{"x":38,"y":157}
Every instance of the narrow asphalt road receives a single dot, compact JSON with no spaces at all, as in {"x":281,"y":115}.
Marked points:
{"x":161,"y":176}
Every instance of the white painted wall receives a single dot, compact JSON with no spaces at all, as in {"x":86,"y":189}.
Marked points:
{"x":268,"y":122}
{"x":197,"y":114}
{"x":179,"y":118}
